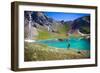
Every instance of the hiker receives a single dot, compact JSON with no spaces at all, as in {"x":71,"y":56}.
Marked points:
{"x":68,"y":46}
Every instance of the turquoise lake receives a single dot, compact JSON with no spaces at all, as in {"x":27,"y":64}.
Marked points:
{"x":75,"y":43}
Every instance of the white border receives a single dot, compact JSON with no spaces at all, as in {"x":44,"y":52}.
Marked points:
{"x":33,"y":64}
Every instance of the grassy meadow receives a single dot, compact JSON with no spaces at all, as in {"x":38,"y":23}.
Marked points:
{"x":40,"y":52}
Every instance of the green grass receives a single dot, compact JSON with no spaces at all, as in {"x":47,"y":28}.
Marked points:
{"x":40,"y":52}
{"x":45,"y":34}
{"x":64,"y":29}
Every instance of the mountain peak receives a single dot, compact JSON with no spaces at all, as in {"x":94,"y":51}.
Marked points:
{"x":39,"y":14}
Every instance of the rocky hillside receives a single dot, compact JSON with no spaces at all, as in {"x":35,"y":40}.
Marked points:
{"x":44,"y":27}
{"x":83,"y":24}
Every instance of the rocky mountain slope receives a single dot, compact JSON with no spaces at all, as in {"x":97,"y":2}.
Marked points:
{"x":83,"y":24}
{"x":44,"y":27}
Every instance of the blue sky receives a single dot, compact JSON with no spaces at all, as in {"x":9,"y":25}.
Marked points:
{"x":64,"y":16}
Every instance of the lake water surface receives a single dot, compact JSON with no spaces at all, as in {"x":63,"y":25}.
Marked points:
{"x":73,"y":43}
